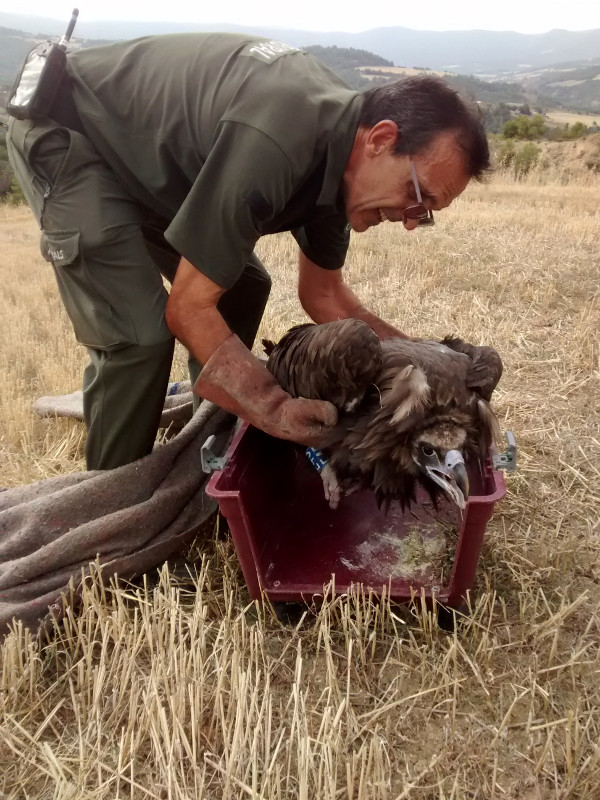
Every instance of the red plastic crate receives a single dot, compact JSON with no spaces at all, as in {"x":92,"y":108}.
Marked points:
{"x":290,"y":543}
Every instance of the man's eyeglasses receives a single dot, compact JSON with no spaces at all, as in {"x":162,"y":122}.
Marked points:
{"x":418,"y":211}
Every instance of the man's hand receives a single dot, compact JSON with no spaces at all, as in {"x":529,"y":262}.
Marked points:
{"x":382,"y":328}
{"x":232,"y":377}
{"x":326,"y":297}
{"x":238,"y":382}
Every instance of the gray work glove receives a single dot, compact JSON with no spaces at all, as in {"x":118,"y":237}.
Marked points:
{"x":235,"y":380}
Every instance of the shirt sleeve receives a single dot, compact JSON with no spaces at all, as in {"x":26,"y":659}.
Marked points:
{"x":325,"y":240}
{"x":243,"y":183}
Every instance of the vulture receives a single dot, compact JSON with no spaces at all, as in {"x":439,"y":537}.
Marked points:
{"x":410,"y":411}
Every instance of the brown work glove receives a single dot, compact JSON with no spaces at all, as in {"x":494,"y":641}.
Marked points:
{"x":238,"y":382}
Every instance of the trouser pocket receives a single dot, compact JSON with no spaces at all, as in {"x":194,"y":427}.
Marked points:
{"x":96,"y":323}
{"x":21,"y":134}
{"x":91,"y":234}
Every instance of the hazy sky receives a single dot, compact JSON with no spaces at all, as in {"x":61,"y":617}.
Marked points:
{"x":349,"y":15}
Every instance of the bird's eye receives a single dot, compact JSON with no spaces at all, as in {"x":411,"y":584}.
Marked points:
{"x":427,"y":450}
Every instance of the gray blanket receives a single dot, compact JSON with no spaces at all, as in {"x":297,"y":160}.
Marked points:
{"x":127,"y":520}
{"x":177,"y":409}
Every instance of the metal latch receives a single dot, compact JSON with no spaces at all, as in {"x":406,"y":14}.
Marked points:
{"x":507,"y":460}
{"x":211,"y":462}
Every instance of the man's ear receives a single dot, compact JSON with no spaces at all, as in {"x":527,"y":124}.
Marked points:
{"x":382,"y":137}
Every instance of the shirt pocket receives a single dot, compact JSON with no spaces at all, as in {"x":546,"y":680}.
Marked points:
{"x":96,"y":321}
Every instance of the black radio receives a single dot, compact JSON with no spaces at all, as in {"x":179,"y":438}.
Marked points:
{"x":35,"y":88}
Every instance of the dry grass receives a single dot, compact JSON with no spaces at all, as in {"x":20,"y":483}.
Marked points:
{"x":182,"y":688}
{"x":394,"y":72}
{"x":570,"y":117}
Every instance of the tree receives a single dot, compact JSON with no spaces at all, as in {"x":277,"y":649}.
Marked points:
{"x":538,"y":126}
{"x":510,"y":129}
{"x":6,"y":177}
{"x":495,"y":115}
{"x":576,"y":130}
{"x":506,"y":154}
{"x":526,"y":158}
{"x":519,"y":160}
{"x":524,"y":127}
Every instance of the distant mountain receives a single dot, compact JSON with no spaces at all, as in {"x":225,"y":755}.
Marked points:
{"x":14,"y":46}
{"x":467,"y":52}
{"x":349,"y":63}
{"x":575,"y":85}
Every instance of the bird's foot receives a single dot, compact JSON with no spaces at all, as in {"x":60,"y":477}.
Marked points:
{"x":331,"y":486}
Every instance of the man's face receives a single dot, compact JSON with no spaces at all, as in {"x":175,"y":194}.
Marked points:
{"x":378,"y":185}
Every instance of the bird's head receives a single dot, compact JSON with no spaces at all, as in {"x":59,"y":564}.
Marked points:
{"x":437,"y":453}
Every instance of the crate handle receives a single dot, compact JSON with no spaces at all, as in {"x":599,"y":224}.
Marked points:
{"x":508,"y":460}
{"x":211,"y":462}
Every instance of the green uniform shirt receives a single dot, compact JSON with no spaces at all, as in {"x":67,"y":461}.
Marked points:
{"x":228,"y":137}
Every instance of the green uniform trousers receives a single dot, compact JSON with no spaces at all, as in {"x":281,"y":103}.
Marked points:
{"x":109,"y":257}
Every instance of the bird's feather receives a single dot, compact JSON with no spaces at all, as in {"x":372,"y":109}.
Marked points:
{"x":337,"y":361}
{"x":390,"y":396}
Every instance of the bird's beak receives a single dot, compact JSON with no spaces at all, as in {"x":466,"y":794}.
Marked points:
{"x":452,"y":477}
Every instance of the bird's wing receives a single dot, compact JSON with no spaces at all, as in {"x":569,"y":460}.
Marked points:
{"x":445,"y":370}
{"x":336,"y":361}
{"x":485,"y":368}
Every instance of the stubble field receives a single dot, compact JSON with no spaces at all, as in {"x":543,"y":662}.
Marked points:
{"x":562,"y":117}
{"x":182,"y":688}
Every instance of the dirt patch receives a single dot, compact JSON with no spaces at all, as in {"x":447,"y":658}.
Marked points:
{"x":424,"y":555}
